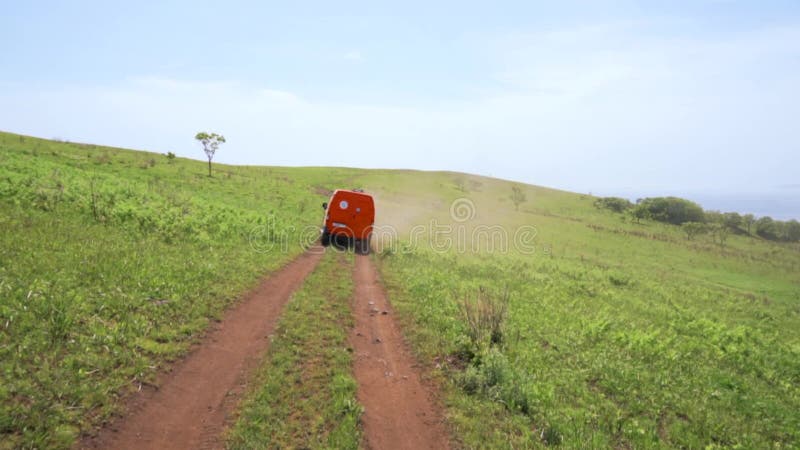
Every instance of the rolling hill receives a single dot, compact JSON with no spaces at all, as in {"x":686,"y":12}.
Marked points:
{"x":610,"y":333}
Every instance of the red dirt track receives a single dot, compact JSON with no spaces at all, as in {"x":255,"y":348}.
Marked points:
{"x":189,"y":410}
{"x":400,"y":411}
{"x":195,"y":401}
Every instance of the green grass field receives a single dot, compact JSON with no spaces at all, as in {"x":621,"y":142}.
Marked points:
{"x":618,"y":334}
{"x":113,"y":261}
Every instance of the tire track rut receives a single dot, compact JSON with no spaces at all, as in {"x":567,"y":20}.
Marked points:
{"x":191,"y":407}
{"x":400,"y":410}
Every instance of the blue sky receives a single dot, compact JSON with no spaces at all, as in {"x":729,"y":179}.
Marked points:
{"x":594,"y":96}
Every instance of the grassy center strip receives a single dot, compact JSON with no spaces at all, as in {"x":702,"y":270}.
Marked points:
{"x":304,"y":395}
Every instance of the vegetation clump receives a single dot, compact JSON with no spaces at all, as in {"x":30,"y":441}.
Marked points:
{"x":693,"y":229}
{"x":672,"y":210}
{"x":488,"y":371}
{"x":518,"y":196}
{"x":485,"y":317}
{"x":694,"y":221}
{"x":615,"y":204}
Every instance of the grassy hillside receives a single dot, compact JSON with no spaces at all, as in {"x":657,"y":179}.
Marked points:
{"x":113,"y":261}
{"x":617,"y":334}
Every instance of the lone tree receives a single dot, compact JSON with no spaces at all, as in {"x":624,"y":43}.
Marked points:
{"x":210,"y":143}
{"x":517,"y":196}
{"x":693,"y":229}
{"x":720,"y":233}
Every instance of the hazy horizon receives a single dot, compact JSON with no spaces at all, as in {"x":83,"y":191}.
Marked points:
{"x":780,"y":204}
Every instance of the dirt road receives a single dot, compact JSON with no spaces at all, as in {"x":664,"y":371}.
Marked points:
{"x":189,"y":409}
{"x":399,"y":409}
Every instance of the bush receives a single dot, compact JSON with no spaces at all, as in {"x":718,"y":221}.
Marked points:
{"x":495,"y":378}
{"x":484,"y":318}
{"x":791,"y":231}
{"x":472,"y":380}
{"x":767,"y":228}
{"x":673,"y":210}
{"x":638,"y":212}
{"x":775,"y":230}
{"x":693,"y":229}
{"x":733,"y":220}
{"x":720,"y":233}
{"x":615,"y":204}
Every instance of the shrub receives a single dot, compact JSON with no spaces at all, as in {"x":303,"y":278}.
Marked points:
{"x":733,"y":220}
{"x":518,"y":196}
{"x":615,"y":204}
{"x":494,"y":377}
{"x":472,"y":380}
{"x":791,"y":231}
{"x":720,"y":233}
{"x":484,"y":318}
{"x":673,"y":210}
{"x":487,"y":375}
{"x":767,"y":228}
{"x":693,"y":229}
{"x":775,"y":230}
{"x":639,"y":212}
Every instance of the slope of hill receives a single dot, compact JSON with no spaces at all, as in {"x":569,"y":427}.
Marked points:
{"x":616,"y":333}
{"x":112,"y":261}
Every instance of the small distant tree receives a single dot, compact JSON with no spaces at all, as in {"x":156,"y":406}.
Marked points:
{"x":639,"y":212}
{"x":748,"y":220}
{"x":720,"y":232}
{"x":171,"y":157}
{"x":210,"y":143}
{"x":693,"y":229}
{"x":517,"y":196}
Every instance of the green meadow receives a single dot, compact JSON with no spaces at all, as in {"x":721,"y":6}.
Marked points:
{"x":613,"y":333}
{"x":616,"y":334}
{"x":112,"y":262}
